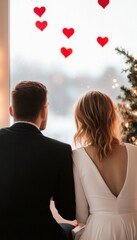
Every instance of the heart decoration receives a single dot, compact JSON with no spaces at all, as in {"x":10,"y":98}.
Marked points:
{"x":103,"y":3}
{"x":68,"y":32}
{"x":39,"y":11}
{"x":66,"y":52}
{"x":102,"y":41}
{"x":41,"y":25}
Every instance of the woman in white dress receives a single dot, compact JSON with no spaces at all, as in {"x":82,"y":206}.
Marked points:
{"x":105,"y":172}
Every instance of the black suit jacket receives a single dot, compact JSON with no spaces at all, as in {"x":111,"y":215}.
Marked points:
{"x":33,"y":169}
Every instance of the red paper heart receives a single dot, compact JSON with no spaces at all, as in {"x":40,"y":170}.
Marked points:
{"x":41,"y":25}
{"x":39,"y":11}
{"x":103,"y":3}
{"x":102,"y":41}
{"x":68,"y":32}
{"x":66,"y":52}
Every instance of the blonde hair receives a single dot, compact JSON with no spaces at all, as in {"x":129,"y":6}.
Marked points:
{"x":97,"y":122}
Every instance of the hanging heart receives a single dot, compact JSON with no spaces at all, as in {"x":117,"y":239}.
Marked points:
{"x":68,"y":32}
{"x":103,"y":3}
{"x":66,"y":52}
{"x":102,"y":41}
{"x":41,"y":25}
{"x":39,"y":11}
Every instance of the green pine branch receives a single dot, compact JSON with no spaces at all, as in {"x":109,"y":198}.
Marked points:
{"x":128,"y":99}
{"x":129,"y":58}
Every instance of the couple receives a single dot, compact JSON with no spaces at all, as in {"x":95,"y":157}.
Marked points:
{"x":101,"y":179}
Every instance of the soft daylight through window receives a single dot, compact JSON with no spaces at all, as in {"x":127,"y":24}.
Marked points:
{"x":39,"y":47}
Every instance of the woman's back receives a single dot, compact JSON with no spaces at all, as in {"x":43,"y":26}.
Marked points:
{"x":106,"y":193}
{"x":104,"y":172}
{"x":113,"y":169}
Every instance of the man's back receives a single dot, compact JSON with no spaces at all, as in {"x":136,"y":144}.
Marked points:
{"x":33,"y":168}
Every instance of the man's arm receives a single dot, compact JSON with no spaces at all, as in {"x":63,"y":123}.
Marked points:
{"x":64,"y":195}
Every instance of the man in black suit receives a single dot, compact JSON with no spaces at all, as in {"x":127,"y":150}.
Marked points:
{"x":33,"y":169}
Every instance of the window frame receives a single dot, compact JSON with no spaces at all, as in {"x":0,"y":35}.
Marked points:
{"x":4,"y":64}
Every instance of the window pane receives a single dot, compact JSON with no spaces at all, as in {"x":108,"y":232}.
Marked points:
{"x":36,"y":55}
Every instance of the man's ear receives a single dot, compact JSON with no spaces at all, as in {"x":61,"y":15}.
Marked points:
{"x":43,"y":112}
{"x":11,"y":111}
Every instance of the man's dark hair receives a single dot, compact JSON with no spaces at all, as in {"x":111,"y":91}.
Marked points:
{"x":27,"y":99}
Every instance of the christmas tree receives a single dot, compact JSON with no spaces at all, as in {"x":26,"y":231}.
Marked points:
{"x":128,"y":99}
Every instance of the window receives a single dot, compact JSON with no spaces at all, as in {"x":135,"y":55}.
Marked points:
{"x":36,"y":55}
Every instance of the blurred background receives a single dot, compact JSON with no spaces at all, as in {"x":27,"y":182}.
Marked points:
{"x":35,"y":54}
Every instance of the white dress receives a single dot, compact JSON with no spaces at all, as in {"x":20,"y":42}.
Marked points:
{"x":106,"y":217}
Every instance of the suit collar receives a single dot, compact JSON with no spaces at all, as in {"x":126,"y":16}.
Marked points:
{"x":25,"y":127}
{"x":31,"y":123}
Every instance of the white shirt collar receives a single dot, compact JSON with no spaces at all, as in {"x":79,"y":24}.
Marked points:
{"x":31,"y":123}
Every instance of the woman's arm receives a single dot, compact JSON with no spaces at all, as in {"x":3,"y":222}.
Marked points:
{"x":82,"y":208}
